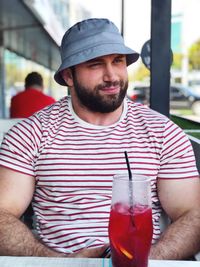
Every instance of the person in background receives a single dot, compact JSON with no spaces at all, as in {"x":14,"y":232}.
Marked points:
{"x":64,"y":157}
{"x":32,"y":99}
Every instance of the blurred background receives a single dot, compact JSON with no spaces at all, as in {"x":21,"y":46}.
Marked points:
{"x":31,"y":32}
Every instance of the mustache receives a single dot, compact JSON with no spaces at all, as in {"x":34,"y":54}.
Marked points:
{"x":110,"y":84}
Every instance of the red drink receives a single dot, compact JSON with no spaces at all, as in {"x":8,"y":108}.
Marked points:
{"x":130,"y":233}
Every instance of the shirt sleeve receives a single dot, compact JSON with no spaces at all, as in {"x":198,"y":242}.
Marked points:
{"x":177,"y":156}
{"x":19,"y":148}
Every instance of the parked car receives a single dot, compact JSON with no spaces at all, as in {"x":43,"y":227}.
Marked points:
{"x":181,"y":97}
{"x":140,"y":94}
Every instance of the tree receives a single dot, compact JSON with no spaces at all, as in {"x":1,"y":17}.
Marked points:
{"x":194,"y":55}
{"x":141,"y":74}
{"x":177,"y":61}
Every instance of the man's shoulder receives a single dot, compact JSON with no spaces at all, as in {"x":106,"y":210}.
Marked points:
{"x":55,"y":110}
{"x":26,"y":94}
{"x":48,"y":118}
{"x":47,"y":98}
{"x":143,"y":112}
{"x":18,"y":95}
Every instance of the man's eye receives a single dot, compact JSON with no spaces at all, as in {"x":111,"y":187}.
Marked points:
{"x":118,"y":60}
{"x":95,"y":64}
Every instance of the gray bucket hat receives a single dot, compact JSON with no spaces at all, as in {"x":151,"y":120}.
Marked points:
{"x":89,"y":39}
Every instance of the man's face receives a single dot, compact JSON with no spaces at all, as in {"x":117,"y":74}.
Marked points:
{"x":101,"y":84}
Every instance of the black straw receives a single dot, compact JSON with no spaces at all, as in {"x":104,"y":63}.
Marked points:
{"x":128,"y":166}
{"x":130,"y":186}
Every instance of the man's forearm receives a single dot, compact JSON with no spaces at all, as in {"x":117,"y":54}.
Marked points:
{"x":17,"y":240}
{"x":181,"y":239}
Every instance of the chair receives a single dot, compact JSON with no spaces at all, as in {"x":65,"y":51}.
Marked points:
{"x":196,"y":147}
{"x":5,"y":125}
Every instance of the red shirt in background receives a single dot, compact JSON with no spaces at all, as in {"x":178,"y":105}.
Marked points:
{"x":25,"y":103}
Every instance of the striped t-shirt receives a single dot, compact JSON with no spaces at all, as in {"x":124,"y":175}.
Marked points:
{"x":73,"y":163}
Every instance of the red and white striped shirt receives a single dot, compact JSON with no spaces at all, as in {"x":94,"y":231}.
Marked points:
{"x":73,"y":163}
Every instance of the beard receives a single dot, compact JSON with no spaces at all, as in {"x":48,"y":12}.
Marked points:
{"x":94,"y":101}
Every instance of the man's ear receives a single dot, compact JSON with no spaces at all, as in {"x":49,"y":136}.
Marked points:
{"x":67,"y":77}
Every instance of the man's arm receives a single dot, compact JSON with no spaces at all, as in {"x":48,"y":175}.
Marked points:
{"x":16,"y":191}
{"x":181,"y":201}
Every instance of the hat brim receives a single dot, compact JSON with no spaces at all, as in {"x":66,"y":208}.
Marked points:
{"x":94,"y":52}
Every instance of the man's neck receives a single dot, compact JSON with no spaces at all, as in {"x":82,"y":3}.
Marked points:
{"x":97,"y":118}
{"x":35,"y":87}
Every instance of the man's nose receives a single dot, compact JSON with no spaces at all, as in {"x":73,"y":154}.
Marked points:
{"x":109,"y":74}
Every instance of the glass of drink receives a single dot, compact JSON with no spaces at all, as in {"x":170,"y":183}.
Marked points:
{"x":130,"y":224}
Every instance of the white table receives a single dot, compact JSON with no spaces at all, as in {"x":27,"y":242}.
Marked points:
{"x":70,"y":262}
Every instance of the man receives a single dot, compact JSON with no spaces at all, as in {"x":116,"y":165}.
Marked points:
{"x":32,"y":99}
{"x":64,"y":157}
